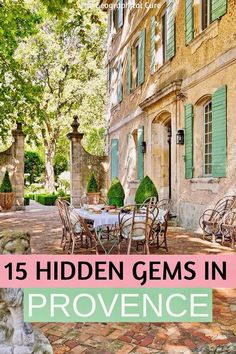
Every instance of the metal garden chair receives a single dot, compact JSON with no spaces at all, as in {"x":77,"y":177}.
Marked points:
{"x":211,"y":219}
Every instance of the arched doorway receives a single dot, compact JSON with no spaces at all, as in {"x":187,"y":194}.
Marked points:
{"x":161,"y":154}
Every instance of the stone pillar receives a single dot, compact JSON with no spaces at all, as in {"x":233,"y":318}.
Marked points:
{"x":76,"y":153}
{"x":19,"y":152}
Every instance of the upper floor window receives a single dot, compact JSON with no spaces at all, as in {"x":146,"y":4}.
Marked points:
{"x":208,"y":138}
{"x":206,"y":13}
{"x":164,"y":36}
{"x":116,"y":16}
{"x":136,"y":63}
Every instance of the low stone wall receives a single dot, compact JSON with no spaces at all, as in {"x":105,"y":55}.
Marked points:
{"x":13,"y":160}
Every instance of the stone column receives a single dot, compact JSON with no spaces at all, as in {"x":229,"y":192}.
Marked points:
{"x":18,"y":152}
{"x":76,"y":153}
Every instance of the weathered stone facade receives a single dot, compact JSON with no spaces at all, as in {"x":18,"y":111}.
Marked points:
{"x":191,"y":76}
{"x":13,"y":160}
{"x":82,"y":164}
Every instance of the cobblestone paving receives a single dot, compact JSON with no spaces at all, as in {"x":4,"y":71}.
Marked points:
{"x":123,"y":338}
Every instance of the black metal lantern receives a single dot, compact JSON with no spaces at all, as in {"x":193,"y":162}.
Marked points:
{"x":143,"y":147}
{"x":180,"y":137}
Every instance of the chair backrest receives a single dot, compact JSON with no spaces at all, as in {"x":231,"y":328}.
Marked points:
{"x":230,"y":218}
{"x":137,"y":224}
{"x":222,"y":207}
{"x":165,"y":204}
{"x":225,"y":204}
{"x":61,"y":205}
{"x":149,"y":202}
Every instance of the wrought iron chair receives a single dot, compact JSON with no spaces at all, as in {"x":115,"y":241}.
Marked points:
{"x":136,"y":227}
{"x":211,"y":219}
{"x":149,"y":202}
{"x":63,"y":219}
{"x":228,"y":228}
{"x":160,"y":227}
{"x":77,"y":232}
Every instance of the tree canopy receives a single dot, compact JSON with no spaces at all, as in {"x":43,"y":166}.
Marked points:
{"x":52,"y":67}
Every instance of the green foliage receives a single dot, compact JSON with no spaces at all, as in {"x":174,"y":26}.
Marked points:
{"x":92,"y":185}
{"x":34,"y":166}
{"x":52,"y":67}
{"x":116,"y":189}
{"x":46,"y":199}
{"x":145,"y":190}
{"x":60,"y":164}
{"x":26,"y":200}
{"x":6,"y":186}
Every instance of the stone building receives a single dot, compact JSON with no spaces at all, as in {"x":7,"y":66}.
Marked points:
{"x":171,"y":81}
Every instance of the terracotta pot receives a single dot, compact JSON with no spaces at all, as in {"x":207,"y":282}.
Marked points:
{"x":6,"y":200}
{"x":93,"y":198}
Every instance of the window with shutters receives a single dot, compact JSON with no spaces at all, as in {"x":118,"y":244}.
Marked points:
{"x":164,"y":36}
{"x":206,"y":13}
{"x":208,"y":139}
{"x":136,"y":48}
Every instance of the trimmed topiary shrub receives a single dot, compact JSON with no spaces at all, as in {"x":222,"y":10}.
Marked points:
{"x":6,"y":186}
{"x":145,"y":190}
{"x":26,"y":200}
{"x":92,"y":186}
{"x":47,"y":199}
{"x":116,"y":193}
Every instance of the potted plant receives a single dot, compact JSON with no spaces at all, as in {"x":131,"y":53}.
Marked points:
{"x":116,"y":193}
{"x":6,"y":194}
{"x":145,"y":190}
{"x":93,"y":193}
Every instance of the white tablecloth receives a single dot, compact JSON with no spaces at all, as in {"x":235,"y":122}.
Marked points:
{"x":99,"y":219}
{"x":106,"y":218}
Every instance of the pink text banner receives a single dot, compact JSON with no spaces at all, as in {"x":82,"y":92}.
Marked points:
{"x":80,"y":271}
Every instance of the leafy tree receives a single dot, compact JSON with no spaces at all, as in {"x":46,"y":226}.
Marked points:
{"x":16,"y":92}
{"x":34,"y":166}
{"x":63,"y":59}
{"x":60,"y":164}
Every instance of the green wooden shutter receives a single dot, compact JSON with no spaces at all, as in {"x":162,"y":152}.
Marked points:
{"x":188,"y":116}
{"x":140,"y":156}
{"x":114,"y":158}
{"x":153,"y":44}
{"x":141,"y":58}
{"x":170,"y":50}
{"x":129,"y":70}
{"x":219,"y":132}
{"x":119,"y":82}
{"x":189,"y":24}
{"x":129,"y":137}
{"x":219,"y":8}
{"x":120,"y":12}
{"x":111,"y":18}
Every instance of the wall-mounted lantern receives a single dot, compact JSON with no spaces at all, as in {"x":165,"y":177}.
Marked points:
{"x":143,"y":147}
{"x":180,"y":137}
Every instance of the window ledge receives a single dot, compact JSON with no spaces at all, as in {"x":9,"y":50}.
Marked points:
{"x":162,"y":68}
{"x":134,"y":181}
{"x":205,"y":184}
{"x":207,"y":180}
{"x":116,"y":107}
{"x":116,"y":33}
{"x":209,"y":33}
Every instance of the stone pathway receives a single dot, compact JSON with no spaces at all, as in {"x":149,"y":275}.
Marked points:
{"x":122,"y":338}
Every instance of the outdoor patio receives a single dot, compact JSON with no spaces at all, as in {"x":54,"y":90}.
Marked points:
{"x":44,"y":225}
